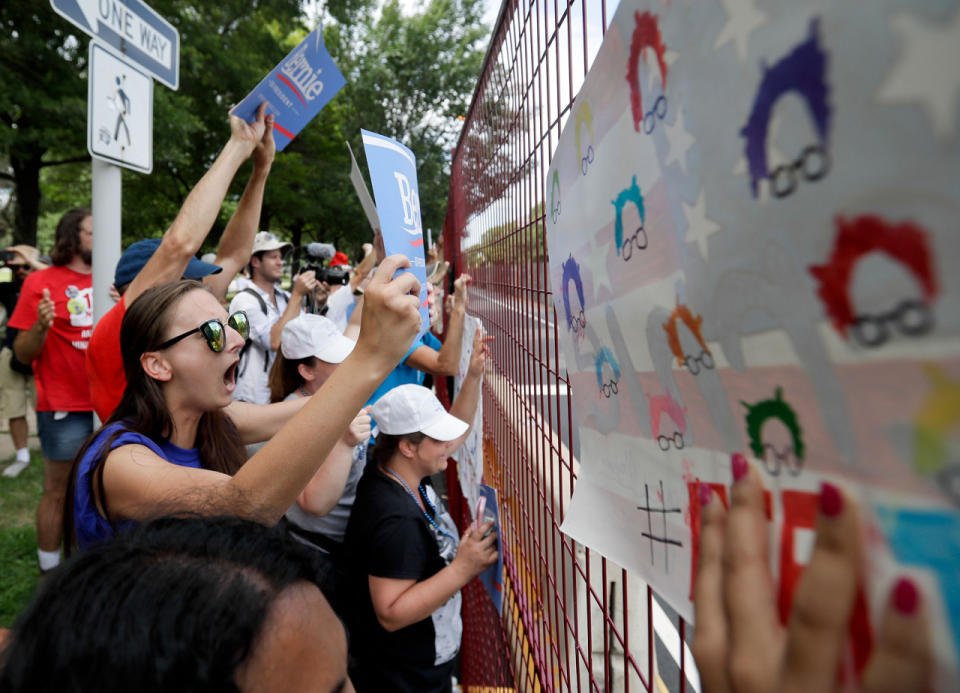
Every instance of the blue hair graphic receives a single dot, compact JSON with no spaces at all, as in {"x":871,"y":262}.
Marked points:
{"x":606,"y":355}
{"x":631,"y":194}
{"x":804,"y":70}
{"x":571,"y":271}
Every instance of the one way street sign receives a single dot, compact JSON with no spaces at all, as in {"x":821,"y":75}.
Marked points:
{"x":131,"y":29}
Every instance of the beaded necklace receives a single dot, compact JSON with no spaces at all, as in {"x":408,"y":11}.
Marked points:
{"x":426,"y":498}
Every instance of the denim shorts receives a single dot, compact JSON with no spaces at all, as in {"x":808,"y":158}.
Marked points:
{"x":60,"y":438}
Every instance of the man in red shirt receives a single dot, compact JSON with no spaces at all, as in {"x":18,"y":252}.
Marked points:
{"x":55,"y":316}
{"x":152,"y":262}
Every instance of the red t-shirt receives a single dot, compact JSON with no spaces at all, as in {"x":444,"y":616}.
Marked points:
{"x":105,"y":362}
{"x":59,"y":367}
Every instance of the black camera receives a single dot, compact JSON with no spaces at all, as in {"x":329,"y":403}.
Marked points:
{"x":332,"y":275}
{"x":8,"y":256}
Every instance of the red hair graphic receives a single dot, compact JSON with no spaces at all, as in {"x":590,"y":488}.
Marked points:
{"x":683,"y":313}
{"x":905,"y":242}
{"x":646,"y":34}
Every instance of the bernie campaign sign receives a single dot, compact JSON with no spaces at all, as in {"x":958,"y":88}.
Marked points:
{"x":393,"y":172}
{"x":295,"y":90}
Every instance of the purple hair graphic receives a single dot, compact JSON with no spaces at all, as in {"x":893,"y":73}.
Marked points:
{"x":571,"y":271}
{"x":804,"y":70}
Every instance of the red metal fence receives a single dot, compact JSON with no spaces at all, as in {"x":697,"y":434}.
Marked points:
{"x":572,"y":620}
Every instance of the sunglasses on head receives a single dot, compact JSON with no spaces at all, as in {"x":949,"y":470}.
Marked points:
{"x":214,"y":332}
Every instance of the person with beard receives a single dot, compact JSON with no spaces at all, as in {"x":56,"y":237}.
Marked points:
{"x":55,"y":317}
{"x":268,"y":309}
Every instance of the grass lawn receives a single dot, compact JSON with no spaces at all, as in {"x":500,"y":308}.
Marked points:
{"x":18,"y":538}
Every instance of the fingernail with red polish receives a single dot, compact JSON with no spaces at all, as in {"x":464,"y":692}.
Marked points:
{"x":831,"y":500}
{"x":738,"y":463}
{"x":706,"y":494}
{"x":905,"y":596}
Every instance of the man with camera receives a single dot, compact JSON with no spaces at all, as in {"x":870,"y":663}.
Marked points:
{"x":268,"y":309}
{"x":16,"y":378}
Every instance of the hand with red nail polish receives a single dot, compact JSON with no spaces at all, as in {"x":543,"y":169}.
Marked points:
{"x":739,"y":644}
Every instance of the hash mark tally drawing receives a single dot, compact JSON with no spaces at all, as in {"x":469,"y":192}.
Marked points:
{"x":663,"y":538}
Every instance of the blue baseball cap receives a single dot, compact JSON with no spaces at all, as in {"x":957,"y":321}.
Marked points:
{"x":136,"y":256}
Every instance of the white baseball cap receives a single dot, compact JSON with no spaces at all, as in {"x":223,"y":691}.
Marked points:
{"x":314,"y":335}
{"x":413,"y":408}
{"x":265,"y":241}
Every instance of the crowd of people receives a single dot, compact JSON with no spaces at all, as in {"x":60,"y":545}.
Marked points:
{"x":256,"y":511}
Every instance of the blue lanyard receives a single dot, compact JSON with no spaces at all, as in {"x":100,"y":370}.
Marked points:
{"x":423,"y":494}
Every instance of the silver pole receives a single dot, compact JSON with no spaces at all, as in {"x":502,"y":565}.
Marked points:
{"x":106,"y":194}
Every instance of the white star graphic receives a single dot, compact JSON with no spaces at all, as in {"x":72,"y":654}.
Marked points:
{"x":596,"y":260}
{"x":680,"y":141}
{"x":742,"y":18}
{"x":927,"y":70}
{"x":699,"y":225}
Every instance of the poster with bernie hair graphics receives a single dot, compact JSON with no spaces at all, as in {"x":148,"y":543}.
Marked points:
{"x":296,"y":90}
{"x":751,"y":218}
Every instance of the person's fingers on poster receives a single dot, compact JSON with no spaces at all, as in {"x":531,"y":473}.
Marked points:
{"x":823,"y":601}
{"x":710,"y":642}
{"x":475,"y":554}
{"x":901,"y":657}
{"x":391,"y":312}
{"x":249,"y":134}
{"x":756,"y":636}
{"x":266,"y":149}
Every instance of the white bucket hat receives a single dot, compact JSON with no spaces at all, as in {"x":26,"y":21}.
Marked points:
{"x":314,"y":335}
{"x":412,"y":408}
{"x":265,"y":241}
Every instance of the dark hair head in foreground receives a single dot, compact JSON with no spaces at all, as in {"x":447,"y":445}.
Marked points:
{"x":187,"y":604}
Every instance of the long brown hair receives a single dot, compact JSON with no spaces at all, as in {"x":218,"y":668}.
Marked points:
{"x":66,"y":241}
{"x":143,"y":409}
{"x":285,"y":376}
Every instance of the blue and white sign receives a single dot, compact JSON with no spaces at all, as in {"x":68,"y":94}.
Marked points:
{"x":393,"y":173}
{"x":295,"y":90}
{"x":120,"y":112}
{"x":129,"y":28}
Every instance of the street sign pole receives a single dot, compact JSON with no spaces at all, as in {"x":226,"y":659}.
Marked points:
{"x":106,"y":194}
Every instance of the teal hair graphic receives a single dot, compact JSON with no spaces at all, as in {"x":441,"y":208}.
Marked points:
{"x":776,"y":408}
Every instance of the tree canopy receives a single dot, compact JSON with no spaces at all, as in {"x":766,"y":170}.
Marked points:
{"x":408,"y":76}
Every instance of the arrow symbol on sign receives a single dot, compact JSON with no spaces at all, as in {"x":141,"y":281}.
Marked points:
{"x":88,"y":7}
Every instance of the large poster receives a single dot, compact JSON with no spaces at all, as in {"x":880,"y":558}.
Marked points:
{"x":752,"y":219}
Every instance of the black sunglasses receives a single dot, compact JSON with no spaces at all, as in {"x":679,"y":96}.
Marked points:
{"x":214,"y":332}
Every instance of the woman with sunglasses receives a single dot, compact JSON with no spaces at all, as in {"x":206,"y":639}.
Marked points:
{"x":170,"y":448}
{"x":406,"y":563}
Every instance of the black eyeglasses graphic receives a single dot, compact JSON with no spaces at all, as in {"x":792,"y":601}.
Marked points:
{"x":587,"y":160}
{"x":774,"y":460}
{"x":813,"y":164}
{"x":693,"y":363}
{"x":911,"y":317}
{"x":609,"y":390}
{"x":665,"y":442}
{"x":214,"y":332}
{"x":659,"y":111}
{"x":577,"y":322}
{"x":638,"y":239}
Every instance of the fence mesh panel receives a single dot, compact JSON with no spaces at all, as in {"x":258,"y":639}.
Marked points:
{"x":571,"y":621}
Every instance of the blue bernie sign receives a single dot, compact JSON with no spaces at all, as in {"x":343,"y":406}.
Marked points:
{"x":393,"y":172}
{"x":295,"y":90}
